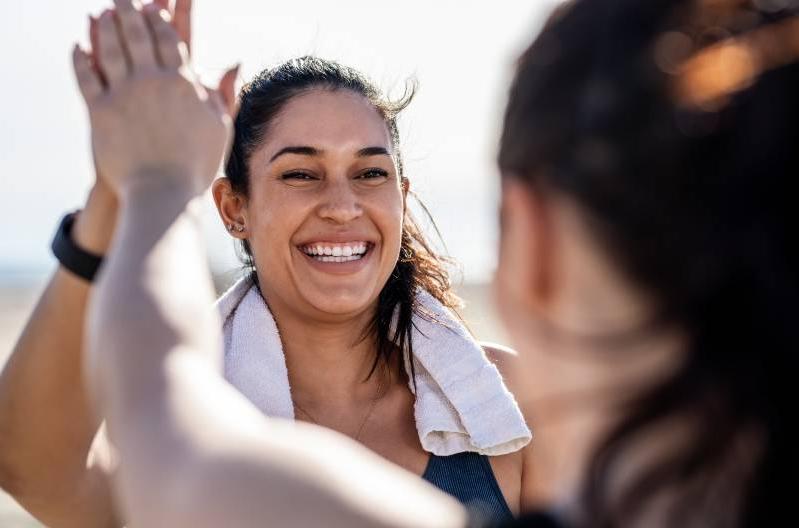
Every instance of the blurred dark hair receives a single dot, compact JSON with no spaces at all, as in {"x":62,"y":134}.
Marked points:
{"x":419,"y":265}
{"x":674,"y":125}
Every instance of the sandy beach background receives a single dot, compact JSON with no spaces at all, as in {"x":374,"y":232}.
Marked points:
{"x":18,"y":297}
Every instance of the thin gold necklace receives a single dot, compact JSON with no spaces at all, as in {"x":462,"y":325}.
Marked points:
{"x":379,"y":395}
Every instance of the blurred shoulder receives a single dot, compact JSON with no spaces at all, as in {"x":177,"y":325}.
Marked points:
{"x":508,"y":364}
{"x":504,"y":358}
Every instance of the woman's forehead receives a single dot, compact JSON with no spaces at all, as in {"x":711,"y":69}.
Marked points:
{"x":329,"y":120}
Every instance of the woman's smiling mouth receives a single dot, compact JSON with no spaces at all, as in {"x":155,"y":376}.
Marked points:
{"x":339,"y":252}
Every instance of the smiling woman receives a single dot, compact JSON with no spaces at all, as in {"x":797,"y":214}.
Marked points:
{"x":316,"y":166}
{"x":316,"y":195}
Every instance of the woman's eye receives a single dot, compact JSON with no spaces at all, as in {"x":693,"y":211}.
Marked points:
{"x":301,"y":176}
{"x":373,"y":174}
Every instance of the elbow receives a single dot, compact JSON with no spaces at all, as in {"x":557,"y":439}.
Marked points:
{"x":44,"y":495}
{"x":10,"y":474}
{"x":21,"y":477}
{"x":20,"y":481}
{"x":10,"y":480}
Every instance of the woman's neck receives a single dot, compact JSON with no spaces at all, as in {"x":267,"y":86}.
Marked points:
{"x":328,"y":361}
{"x":596,"y":387}
{"x":567,"y":431}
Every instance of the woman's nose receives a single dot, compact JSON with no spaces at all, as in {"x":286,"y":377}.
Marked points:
{"x":340,"y":203}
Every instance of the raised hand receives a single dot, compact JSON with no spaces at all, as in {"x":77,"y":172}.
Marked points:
{"x":96,"y":223}
{"x":152,"y":122}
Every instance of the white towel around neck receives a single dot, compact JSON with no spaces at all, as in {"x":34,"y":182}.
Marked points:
{"x":461,"y":402}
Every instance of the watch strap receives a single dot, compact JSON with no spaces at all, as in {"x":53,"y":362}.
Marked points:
{"x":72,"y":257}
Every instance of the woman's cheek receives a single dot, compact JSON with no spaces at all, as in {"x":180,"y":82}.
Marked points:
{"x":393,"y":210}
{"x":267,"y":237}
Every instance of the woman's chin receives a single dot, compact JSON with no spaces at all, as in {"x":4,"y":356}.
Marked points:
{"x":340,"y":301}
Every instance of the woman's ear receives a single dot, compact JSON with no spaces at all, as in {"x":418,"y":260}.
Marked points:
{"x":525,"y":273}
{"x":232,"y":208}
{"x":406,"y":187}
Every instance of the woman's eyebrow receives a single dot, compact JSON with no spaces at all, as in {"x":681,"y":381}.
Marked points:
{"x":304,"y":151}
{"x":373,"y":151}
{"x":311,"y":151}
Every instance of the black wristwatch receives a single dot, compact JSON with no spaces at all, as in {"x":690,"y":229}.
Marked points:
{"x":73,"y":258}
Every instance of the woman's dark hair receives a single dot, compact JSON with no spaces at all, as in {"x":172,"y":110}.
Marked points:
{"x":674,"y":125}
{"x":419,"y":265}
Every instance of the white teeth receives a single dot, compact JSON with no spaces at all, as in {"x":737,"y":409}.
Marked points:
{"x":336,"y":253}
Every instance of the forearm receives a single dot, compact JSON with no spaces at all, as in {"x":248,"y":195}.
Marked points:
{"x":154,"y":300}
{"x":299,"y":475}
{"x":153,"y":307}
{"x":47,"y":426}
{"x":156,"y":279}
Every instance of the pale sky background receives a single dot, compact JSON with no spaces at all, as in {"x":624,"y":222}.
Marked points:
{"x":462,"y":53}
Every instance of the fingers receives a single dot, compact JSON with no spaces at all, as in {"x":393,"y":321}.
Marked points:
{"x":182,"y":21}
{"x":111,"y":56}
{"x":127,"y":39}
{"x":95,"y":45}
{"x":135,"y":36}
{"x":227,"y":91}
{"x":180,"y":17}
{"x":224,"y":97}
{"x":88,"y":81}
{"x":167,"y":41}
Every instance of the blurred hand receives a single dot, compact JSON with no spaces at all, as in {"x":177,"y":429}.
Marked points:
{"x":96,"y":224}
{"x":179,"y":16}
{"x":152,"y":122}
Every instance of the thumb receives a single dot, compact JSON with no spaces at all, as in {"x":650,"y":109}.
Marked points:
{"x":227,"y":91}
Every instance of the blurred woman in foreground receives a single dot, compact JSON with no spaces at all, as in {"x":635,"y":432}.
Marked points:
{"x":647,"y":276}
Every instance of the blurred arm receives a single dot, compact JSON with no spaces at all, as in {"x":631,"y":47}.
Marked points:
{"x":193,"y":451}
{"x":46,"y":426}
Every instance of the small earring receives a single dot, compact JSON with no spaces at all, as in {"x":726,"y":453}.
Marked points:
{"x":229,"y":227}
{"x":240,"y":228}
